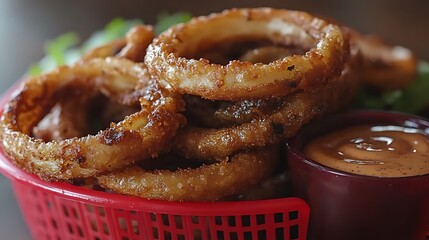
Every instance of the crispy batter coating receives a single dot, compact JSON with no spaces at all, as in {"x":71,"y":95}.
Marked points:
{"x":139,"y":136}
{"x":209,"y":182}
{"x":173,"y":56}
{"x":297,"y":109}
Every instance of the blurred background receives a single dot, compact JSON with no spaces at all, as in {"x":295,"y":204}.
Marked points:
{"x":27,"y":24}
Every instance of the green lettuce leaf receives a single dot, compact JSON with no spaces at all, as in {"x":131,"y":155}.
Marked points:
{"x":65,"y":49}
{"x":414,"y":99}
{"x":165,"y":20}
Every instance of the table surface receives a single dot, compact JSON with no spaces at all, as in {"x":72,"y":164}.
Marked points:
{"x":26,"y":25}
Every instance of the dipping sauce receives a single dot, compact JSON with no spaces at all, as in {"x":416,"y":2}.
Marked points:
{"x":373,"y":150}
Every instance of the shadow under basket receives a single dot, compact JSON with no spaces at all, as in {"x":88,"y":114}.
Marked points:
{"x":64,"y":211}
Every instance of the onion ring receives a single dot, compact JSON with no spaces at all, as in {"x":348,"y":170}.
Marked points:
{"x":139,"y":136}
{"x":166,"y":57}
{"x":384,"y":66}
{"x":122,"y":80}
{"x":138,"y":38}
{"x":107,"y":50}
{"x":132,"y":47}
{"x":297,"y":109}
{"x":210,"y":182}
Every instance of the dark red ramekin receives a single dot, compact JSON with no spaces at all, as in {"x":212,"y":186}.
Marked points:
{"x":350,"y":206}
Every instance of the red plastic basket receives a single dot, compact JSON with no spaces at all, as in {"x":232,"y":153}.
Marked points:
{"x":64,"y":211}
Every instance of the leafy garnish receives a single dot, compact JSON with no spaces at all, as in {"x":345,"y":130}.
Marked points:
{"x":165,"y":20}
{"x":58,"y":52}
{"x":115,"y":29}
{"x":413,"y":99}
{"x":65,"y":50}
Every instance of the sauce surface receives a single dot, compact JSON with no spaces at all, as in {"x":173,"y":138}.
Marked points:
{"x":373,"y":150}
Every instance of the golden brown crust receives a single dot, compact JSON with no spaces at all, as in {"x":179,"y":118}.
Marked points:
{"x":139,"y":136}
{"x":166,"y":56}
{"x":207,"y":183}
{"x":297,"y":109}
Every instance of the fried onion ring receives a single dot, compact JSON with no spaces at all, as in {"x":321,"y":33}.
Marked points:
{"x":138,"y":38}
{"x":209,"y":182}
{"x":132,"y":47}
{"x":297,"y":109}
{"x":171,"y":56}
{"x":107,"y":50}
{"x":121,"y":80}
{"x":139,"y":136}
{"x":384,"y":66}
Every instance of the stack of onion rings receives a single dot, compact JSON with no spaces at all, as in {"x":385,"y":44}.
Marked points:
{"x":266,"y":129}
{"x":250,"y":79}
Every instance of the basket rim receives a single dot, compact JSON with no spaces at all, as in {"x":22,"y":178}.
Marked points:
{"x":104,"y":199}
{"x":132,"y":203}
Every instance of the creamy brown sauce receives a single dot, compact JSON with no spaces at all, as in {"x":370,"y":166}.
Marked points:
{"x":383,"y":151}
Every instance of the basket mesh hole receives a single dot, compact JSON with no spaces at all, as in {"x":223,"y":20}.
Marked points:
{"x":90,"y":208}
{"x":280,"y":232}
{"x":155,"y":232}
{"x":219,"y":235}
{"x":122,"y":224}
{"x":133,"y":213}
{"x":231,"y":221}
{"x":195,"y":220}
{"x":70,"y":228}
{"x":54,"y":223}
{"x":218,"y":220}
{"x":293,"y":215}
{"x":178,"y":222}
{"x":94,"y":226}
{"x":245,"y":221}
{"x":167,"y":235}
{"x":135,"y":226}
{"x":74,"y":212}
{"x":181,"y":237}
{"x":294,"y":233}
{"x":65,"y":211}
{"x":262,"y":235}
{"x":101,"y":211}
{"x":247,"y":235}
{"x":197,"y":234}
{"x":125,"y":238}
{"x":105,"y":228}
{"x":165,"y":220}
{"x":278,"y":217}
{"x":79,"y":231}
{"x":152,"y":217}
{"x":260,"y":219}
{"x":233,"y":235}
